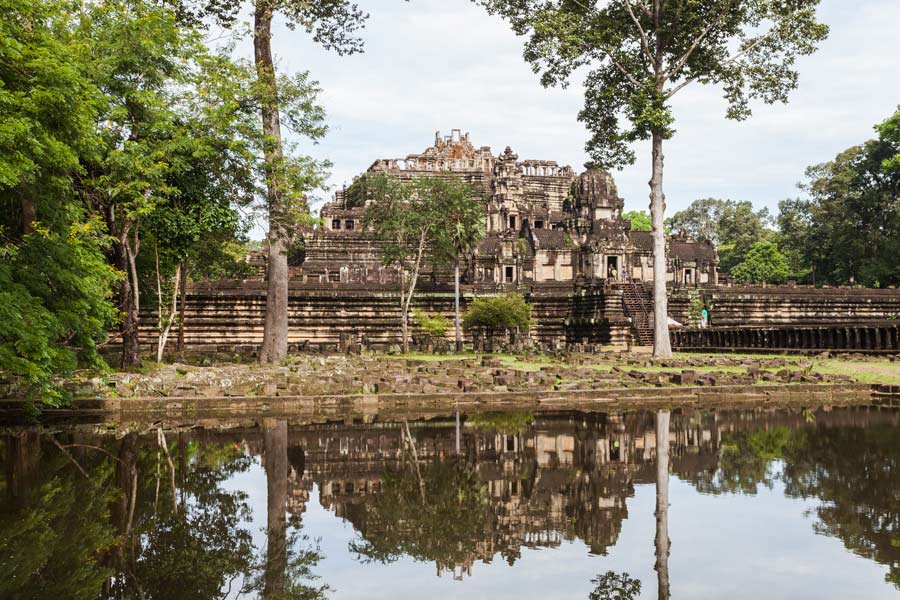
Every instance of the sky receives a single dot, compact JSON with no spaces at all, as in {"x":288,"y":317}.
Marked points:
{"x":434,"y":65}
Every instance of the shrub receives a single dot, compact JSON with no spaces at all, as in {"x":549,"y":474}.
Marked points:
{"x":509,"y":311}
{"x":435,"y":326}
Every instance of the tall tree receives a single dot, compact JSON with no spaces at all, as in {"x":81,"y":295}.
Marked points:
{"x":429,"y":216}
{"x":55,"y":284}
{"x":733,"y":226}
{"x":463,"y":226}
{"x":333,"y":24}
{"x":140,"y":59}
{"x":846,"y":229}
{"x":641,"y":53}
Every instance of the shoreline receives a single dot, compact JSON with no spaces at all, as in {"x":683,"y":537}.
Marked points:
{"x":800,"y":395}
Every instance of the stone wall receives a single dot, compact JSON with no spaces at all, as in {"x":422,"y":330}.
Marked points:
{"x":224,"y":315}
{"x":742,"y":306}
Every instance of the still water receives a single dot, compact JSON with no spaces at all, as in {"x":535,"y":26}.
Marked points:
{"x":720,"y":504}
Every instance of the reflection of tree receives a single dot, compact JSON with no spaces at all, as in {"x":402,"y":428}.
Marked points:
{"x":53,"y":525}
{"x":662,"y":503}
{"x":442,"y":524}
{"x":745,"y":461}
{"x":286,"y":570}
{"x":508,"y":422}
{"x":194,"y":548}
{"x":855,"y":472}
{"x":614,"y":586}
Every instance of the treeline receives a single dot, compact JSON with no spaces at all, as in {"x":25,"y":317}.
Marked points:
{"x":132,"y":158}
{"x":844,"y":229}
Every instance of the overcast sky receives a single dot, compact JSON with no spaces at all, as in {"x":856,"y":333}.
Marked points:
{"x":440,"y":64}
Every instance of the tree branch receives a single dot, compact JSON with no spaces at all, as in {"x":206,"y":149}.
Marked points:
{"x":699,"y":39}
{"x":645,"y":43}
{"x":730,"y":61}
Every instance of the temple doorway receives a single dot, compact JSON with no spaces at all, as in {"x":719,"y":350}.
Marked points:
{"x":612,"y":267}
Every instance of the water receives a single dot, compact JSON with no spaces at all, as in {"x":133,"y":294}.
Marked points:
{"x":765,"y":503}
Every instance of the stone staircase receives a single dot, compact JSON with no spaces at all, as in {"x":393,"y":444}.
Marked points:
{"x":637,"y":301}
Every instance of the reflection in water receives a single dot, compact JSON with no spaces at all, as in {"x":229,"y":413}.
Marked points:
{"x":156,"y":515}
{"x":662,"y":503}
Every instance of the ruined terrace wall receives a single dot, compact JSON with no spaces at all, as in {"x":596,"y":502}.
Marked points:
{"x":743,"y":306}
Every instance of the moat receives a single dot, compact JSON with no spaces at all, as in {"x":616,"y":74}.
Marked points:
{"x":681,"y":503}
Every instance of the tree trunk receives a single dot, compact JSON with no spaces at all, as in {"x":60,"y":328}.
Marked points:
{"x":131,"y":351}
{"x":459,"y":343}
{"x":29,"y":216}
{"x":662,"y":503}
{"x":275,"y":335}
{"x":179,"y":345}
{"x":170,"y":319}
{"x":275,"y":445}
{"x":407,"y":298}
{"x":662,"y":348}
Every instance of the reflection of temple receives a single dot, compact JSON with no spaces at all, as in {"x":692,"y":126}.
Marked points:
{"x":565,"y":477}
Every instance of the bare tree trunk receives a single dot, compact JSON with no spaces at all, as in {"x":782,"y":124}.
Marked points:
{"x":275,"y":334}
{"x":166,"y":326}
{"x":662,"y":503}
{"x":128,"y":328}
{"x":662,"y":348}
{"x":407,"y":300}
{"x":29,"y":216}
{"x":275,"y":445}
{"x":179,"y":345}
{"x":459,"y":343}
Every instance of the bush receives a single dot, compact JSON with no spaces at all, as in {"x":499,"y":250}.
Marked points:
{"x":763,"y":264}
{"x":435,"y":326}
{"x":509,"y":311}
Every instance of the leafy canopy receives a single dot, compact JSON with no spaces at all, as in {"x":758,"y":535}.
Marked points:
{"x":444,"y":217}
{"x":763,"y":264}
{"x":639,"y":54}
{"x":847,"y":226}
{"x":733,"y":226}
{"x":640,"y":220}
{"x":509,"y":311}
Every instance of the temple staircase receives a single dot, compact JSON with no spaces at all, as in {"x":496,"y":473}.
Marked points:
{"x":637,"y":301}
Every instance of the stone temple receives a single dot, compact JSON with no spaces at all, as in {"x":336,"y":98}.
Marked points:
{"x":557,"y":237}
{"x":544,"y":223}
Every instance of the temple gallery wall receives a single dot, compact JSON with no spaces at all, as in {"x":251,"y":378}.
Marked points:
{"x":554,"y":235}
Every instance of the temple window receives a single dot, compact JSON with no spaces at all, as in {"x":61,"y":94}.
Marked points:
{"x":348,"y":224}
{"x":509,"y":274}
{"x":538,"y":224}
{"x":335,"y":223}
{"x":512,"y":221}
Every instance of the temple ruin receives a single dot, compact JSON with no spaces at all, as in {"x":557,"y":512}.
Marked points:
{"x":555,"y":236}
{"x":543,"y":223}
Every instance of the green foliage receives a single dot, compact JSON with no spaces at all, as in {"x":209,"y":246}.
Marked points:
{"x":444,"y":217}
{"x":733,"y":226}
{"x":54,"y":306}
{"x":640,"y":220}
{"x":847,"y":227}
{"x":54,"y":534}
{"x":435,"y":326}
{"x":695,"y":309}
{"x":54,"y":283}
{"x":615,"y":586}
{"x":509,"y":311}
{"x":638,"y":55}
{"x":763,"y":264}
{"x":442,"y":521}
{"x":509,"y":422}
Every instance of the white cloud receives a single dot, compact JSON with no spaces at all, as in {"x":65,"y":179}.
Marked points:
{"x":438,"y":64}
